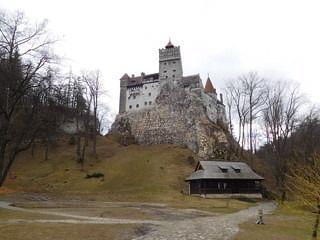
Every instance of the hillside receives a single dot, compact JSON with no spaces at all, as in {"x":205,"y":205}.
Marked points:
{"x":153,"y":173}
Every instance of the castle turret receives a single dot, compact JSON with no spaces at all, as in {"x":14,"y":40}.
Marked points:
{"x":123,"y":92}
{"x":209,"y":89}
{"x":170,"y":65}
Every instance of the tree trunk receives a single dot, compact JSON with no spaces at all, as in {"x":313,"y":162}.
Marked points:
{"x":5,"y":168}
{"x":83,"y":156}
{"x":78,"y":149}
{"x":250,"y":139}
{"x":94,"y":142}
{"x":32,"y":149}
{"x":316,"y":223}
{"x":46,"y":151}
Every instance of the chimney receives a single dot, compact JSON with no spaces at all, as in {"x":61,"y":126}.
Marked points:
{"x":221,"y":98}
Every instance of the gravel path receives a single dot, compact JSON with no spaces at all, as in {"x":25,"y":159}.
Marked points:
{"x":214,"y":228}
{"x":220,"y":227}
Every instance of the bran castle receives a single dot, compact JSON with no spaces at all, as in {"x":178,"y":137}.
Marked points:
{"x":167,"y":107}
{"x":140,"y":92}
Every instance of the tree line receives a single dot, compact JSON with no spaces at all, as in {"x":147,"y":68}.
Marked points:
{"x":35,"y":98}
{"x":277,"y":114}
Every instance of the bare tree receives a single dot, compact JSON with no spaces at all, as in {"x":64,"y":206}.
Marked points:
{"x":238,"y":100}
{"x":24,"y":52}
{"x":93,"y":84}
{"x":280,"y":116}
{"x":254,"y":90}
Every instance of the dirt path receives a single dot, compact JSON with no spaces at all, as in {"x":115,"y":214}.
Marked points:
{"x":187,"y":228}
{"x":75,"y":218}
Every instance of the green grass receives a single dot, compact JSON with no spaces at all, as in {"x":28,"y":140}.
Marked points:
{"x":288,"y":222}
{"x":139,"y":173}
{"x":66,"y":231}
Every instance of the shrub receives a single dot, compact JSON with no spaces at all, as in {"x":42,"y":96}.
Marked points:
{"x":95,"y":175}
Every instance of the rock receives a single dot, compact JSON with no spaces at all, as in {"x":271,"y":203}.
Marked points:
{"x":179,"y":117}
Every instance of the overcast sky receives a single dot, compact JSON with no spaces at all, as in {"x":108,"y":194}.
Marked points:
{"x":277,"y":38}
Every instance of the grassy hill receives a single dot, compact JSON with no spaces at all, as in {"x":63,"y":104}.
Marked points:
{"x":134,"y":173}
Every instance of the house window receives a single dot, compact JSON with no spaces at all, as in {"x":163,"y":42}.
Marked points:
{"x":145,"y":103}
{"x":150,"y":102}
{"x":236,"y":169}
{"x":137,"y":105}
{"x":223,"y":169}
{"x":149,"y":93}
{"x":130,"y":106}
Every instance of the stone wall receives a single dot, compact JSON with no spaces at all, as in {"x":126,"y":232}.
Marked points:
{"x":179,"y":117}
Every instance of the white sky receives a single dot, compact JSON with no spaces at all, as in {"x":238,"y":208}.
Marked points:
{"x":277,"y":38}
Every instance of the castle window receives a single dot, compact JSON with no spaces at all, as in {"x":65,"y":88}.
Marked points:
{"x":173,"y":62}
{"x":165,"y":71}
{"x":150,"y":102}
{"x":173,"y":75}
{"x":174,"y":70}
{"x":137,"y":105}
{"x":166,"y":76}
{"x":145,"y":103}
{"x":130,"y":106}
{"x":134,"y":97}
{"x":210,"y":105}
{"x":165,"y":63}
{"x":149,"y":93}
{"x":145,"y":87}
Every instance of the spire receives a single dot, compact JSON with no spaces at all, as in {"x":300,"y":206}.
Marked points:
{"x":209,"y":87}
{"x":125,"y":77}
{"x":169,"y":44}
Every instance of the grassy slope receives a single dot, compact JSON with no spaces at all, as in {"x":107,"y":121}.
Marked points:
{"x":288,"y":222}
{"x":134,"y":173}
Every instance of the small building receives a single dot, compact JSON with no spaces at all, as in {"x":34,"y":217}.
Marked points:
{"x":220,"y":179}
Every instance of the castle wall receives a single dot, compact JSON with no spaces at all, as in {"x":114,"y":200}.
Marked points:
{"x":210,"y":103}
{"x":141,"y":97}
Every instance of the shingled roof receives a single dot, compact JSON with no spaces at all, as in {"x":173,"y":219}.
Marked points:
{"x":209,"y":87}
{"x":223,"y":170}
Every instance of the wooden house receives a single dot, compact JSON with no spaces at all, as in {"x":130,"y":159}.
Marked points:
{"x":224,"y":179}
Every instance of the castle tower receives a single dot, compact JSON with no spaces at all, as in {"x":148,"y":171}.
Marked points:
{"x":170,"y":65}
{"x":209,"y":89}
{"x":123,"y":93}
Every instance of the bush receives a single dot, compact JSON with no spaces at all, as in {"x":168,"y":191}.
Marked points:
{"x":95,"y":175}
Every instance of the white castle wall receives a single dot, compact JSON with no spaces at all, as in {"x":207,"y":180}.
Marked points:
{"x":142,"y":97}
